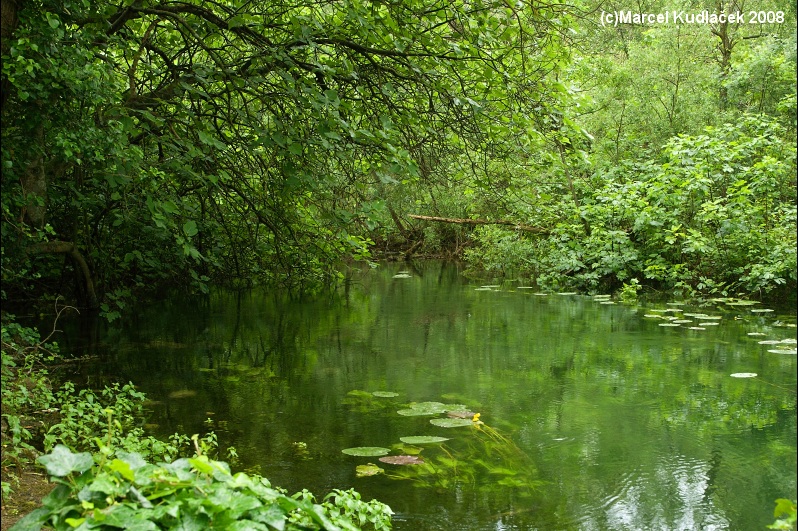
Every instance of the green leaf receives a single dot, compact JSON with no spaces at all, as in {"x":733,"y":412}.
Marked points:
{"x":209,"y":140}
{"x":370,"y":469}
{"x":190,"y":228}
{"x":422,"y":439}
{"x":62,"y":462}
{"x":366,"y":451}
{"x":57,"y":497}
{"x":202,"y":465}
{"x":123,"y":469}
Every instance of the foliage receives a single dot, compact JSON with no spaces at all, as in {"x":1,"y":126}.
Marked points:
{"x":716,"y":214}
{"x":629,"y":290}
{"x":37,"y":417}
{"x":26,"y":390}
{"x":787,"y":511}
{"x":109,"y":421}
{"x":191,"y":492}
{"x":193,"y":143}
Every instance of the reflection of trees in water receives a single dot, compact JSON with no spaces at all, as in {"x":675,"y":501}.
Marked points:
{"x":603,"y":402}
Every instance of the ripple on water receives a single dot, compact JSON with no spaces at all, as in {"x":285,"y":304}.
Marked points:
{"x":674,"y":493}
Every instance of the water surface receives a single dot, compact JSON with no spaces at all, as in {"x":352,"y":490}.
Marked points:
{"x":595,"y":416}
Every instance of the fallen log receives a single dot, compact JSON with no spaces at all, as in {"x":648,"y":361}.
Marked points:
{"x":518,"y":226}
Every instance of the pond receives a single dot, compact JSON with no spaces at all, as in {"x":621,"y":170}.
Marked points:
{"x":591,"y":415}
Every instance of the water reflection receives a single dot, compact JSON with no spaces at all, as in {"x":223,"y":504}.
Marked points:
{"x":618,"y":423}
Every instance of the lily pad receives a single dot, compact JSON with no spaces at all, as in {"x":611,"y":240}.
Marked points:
{"x":460,"y":414}
{"x":415,"y":412}
{"x":761,"y":310}
{"x":422,"y":439}
{"x":370,"y":469}
{"x":402,"y":275}
{"x":359,"y":393}
{"x":567,"y":293}
{"x":669,"y":324}
{"x":783,"y":351}
{"x":366,"y":451}
{"x":429,"y":408}
{"x":755,"y":334}
{"x":402,"y":460}
{"x":708,"y":323}
{"x":385,"y":394}
{"x":696,"y":328}
{"x":424,"y":408}
{"x":743,"y":375}
{"x":406,"y":449}
{"x":451,"y":423}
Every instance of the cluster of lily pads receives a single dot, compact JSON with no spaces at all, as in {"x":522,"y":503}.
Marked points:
{"x":456,"y":415}
{"x":701,"y":320}
{"x":497,"y":287}
{"x":674,"y":317}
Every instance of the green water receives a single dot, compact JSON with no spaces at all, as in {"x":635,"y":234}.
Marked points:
{"x":595,"y":417}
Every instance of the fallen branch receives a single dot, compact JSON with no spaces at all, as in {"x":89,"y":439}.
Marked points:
{"x":518,"y":226}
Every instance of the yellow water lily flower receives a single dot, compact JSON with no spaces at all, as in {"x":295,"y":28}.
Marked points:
{"x":476,"y":418}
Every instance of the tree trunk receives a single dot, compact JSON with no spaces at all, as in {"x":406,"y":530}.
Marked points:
{"x":725,"y":48}
{"x":34,"y":183}
{"x":58,"y":247}
{"x":8,"y":23}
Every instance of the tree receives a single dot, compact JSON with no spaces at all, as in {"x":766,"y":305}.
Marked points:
{"x":188,"y":140}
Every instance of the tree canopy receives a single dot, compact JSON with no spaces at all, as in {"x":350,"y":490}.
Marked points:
{"x":185,"y":143}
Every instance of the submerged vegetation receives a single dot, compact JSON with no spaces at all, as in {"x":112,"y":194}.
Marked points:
{"x":483,"y":458}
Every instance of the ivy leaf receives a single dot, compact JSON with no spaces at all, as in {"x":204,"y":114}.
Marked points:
{"x":62,"y":462}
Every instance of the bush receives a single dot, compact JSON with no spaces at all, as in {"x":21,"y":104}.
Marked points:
{"x":196,"y":493}
{"x":715,"y":215}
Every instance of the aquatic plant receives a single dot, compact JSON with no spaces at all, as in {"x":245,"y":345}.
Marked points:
{"x":482,"y":458}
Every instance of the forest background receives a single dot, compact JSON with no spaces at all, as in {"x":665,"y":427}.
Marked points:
{"x":179,"y":144}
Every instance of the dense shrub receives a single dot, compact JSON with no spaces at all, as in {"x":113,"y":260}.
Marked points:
{"x":715,"y":214}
